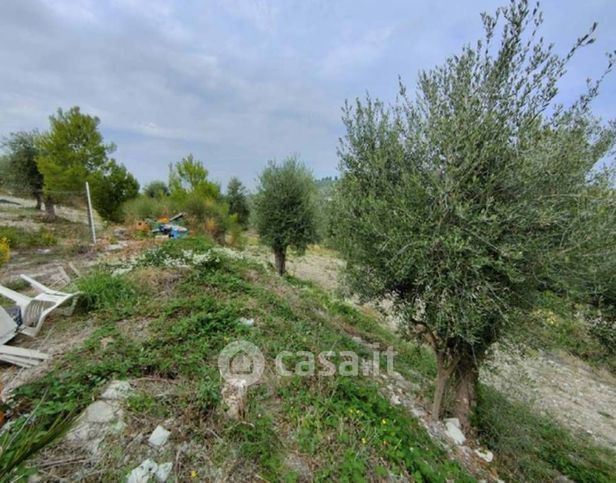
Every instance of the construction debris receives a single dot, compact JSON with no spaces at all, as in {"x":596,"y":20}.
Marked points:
{"x":159,"y":437}
{"x":21,"y":357}
{"x":101,"y":418}
{"x":149,"y":468}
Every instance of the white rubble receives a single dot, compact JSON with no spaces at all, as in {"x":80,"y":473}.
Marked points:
{"x":163,"y":472}
{"x":101,"y":418}
{"x":486,"y":455}
{"x":233,"y":395}
{"x":117,"y":391}
{"x":454,"y":432}
{"x":143,"y":472}
{"x":149,"y":468}
{"x":159,"y":437}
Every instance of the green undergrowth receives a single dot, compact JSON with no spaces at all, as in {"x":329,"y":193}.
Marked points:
{"x":561,"y":325}
{"x":340,"y":427}
{"x":19,"y":238}
{"x":530,"y":447}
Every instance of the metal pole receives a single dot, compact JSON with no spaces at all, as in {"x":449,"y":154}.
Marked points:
{"x":90,"y":214}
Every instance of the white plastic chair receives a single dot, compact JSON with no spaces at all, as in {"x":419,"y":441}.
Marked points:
{"x":8,"y":327}
{"x":35,"y":310}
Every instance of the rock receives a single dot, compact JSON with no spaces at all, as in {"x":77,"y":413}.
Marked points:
{"x":97,"y":421}
{"x":143,"y":472}
{"x":418,"y":412}
{"x":117,"y":391}
{"x":114,"y":247}
{"x":486,"y":455}
{"x":159,"y":437}
{"x":101,"y":412}
{"x":454,"y":421}
{"x":454,"y":432}
{"x":163,"y":472}
{"x":234,"y":396}
{"x":247,"y":322}
{"x":395,"y":400}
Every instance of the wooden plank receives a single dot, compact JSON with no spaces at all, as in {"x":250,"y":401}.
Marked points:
{"x":22,"y":352}
{"x":18,"y":361}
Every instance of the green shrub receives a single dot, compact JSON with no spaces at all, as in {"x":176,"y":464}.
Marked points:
{"x":5,"y":251}
{"x":101,"y":290}
{"x":532,"y":447}
{"x":603,"y":329}
{"x":144,"y":207}
{"x":20,"y":238}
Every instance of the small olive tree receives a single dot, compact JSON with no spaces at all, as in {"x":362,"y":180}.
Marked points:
{"x":20,"y":172}
{"x":237,"y":198}
{"x":284,"y":209}
{"x":463,"y":203}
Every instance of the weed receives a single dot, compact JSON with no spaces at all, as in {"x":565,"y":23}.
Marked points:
{"x":5,"y":251}
{"x":18,"y":238}
{"x":100,"y":290}
{"x":531,"y":447}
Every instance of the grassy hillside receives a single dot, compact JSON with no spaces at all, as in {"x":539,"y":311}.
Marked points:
{"x":162,"y":327}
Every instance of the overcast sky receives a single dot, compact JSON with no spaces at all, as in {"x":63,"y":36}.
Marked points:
{"x":239,"y":82}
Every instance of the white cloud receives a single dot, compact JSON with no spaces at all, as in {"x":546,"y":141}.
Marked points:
{"x":262,"y":14}
{"x":355,"y":52}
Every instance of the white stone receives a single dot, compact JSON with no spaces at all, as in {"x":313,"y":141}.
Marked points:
{"x":163,"y":472}
{"x":233,"y":395}
{"x":101,"y":412}
{"x":454,"y":421}
{"x":486,"y":455}
{"x":418,"y":412}
{"x":247,"y":322}
{"x":159,"y":437}
{"x":454,"y":432}
{"x":142,"y":473}
{"x":117,"y":390}
{"x":395,"y":400}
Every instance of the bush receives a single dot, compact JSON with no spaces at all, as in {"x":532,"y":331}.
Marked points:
{"x":5,"y":252}
{"x":603,"y":329}
{"x":101,"y":290}
{"x":144,"y":207}
{"x":20,"y":238}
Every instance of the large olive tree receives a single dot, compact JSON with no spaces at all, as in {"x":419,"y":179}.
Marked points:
{"x":465,"y":201}
{"x":284,"y":209}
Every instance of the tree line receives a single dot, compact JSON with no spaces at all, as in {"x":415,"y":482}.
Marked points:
{"x":54,"y":166}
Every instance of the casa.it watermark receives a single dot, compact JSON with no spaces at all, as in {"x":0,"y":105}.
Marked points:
{"x":243,"y":360}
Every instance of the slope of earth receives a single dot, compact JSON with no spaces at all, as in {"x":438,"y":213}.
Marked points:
{"x":557,"y":385}
{"x":157,"y":324}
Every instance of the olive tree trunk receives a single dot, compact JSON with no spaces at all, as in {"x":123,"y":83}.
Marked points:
{"x":50,"y":208}
{"x":444,"y":371}
{"x":465,"y":380}
{"x":38,"y":196}
{"x":280,"y":257}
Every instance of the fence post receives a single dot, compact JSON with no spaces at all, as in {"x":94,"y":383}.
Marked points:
{"x":90,"y":214}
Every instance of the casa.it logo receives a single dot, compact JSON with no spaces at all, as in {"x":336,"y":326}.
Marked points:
{"x":241,"y":360}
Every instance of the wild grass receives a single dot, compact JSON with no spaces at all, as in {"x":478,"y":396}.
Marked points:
{"x":18,"y":238}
